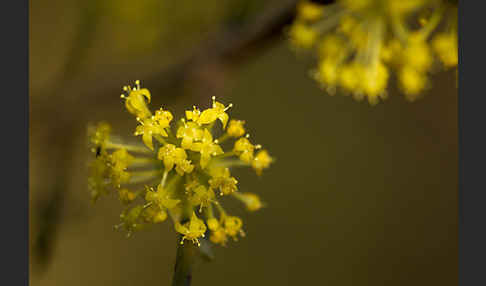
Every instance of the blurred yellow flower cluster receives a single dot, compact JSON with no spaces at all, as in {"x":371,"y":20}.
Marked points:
{"x":359,"y":43}
{"x":177,"y":173}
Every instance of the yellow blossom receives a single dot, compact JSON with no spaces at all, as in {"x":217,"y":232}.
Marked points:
{"x":119,"y":161}
{"x":192,"y":230}
{"x":207,"y":148}
{"x":302,"y":36}
{"x":189,"y":132}
{"x":193,"y":114}
{"x":153,"y":214}
{"x":261,"y":161}
{"x":217,"y":111}
{"x":244,"y":149}
{"x":99,"y":135}
{"x":221,"y":179}
{"x":412,"y":82}
{"x":233,"y":226}
{"x":309,"y":11}
{"x":199,"y":195}
{"x":235,"y":128}
{"x":131,"y":219}
{"x":251,"y":200}
{"x":163,"y":118}
{"x":126,"y":196}
{"x":148,"y":128}
{"x":374,"y":81}
{"x":445,"y":45}
{"x":137,"y":99}
{"x":161,"y":198}
{"x":172,"y":155}
{"x":218,"y":235}
{"x":417,"y":54}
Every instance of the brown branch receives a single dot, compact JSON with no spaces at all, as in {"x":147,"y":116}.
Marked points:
{"x":229,"y":47}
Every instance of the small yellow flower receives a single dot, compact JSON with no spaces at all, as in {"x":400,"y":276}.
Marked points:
{"x":153,"y":214}
{"x":233,"y":226}
{"x":349,"y":77}
{"x":161,"y":198}
{"x":126,"y":196}
{"x":148,"y":128}
{"x":193,"y":115}
{"x":261,"y":161}
{"x":163,"y":118}
{"x":99,"y":135}
{"x":309,"y":11}
{"x":218,"y":111}
{"x":412,"y":82}
{"x":327,"y":72}
{"x":221,"y":179}
{"x":192,"y":230}
{"x":207,"y":148}
{"x":172,"y":155}
{"x":251,"y":201}
{"x":218,"y":235}
{"x":199,"y":195}
{"x":235,"y":128}
{"x":99,"y":170}
{"x":417,"y":54}
{"x":189,"y":133}
{"x":244,"y":149}
{"x":119,"y":161}
{"x":445,"y":45}
{"x":302,"y":36}
{"x":374,"y":81}
{"x":131,"y":219}
{"x":137,"y":99}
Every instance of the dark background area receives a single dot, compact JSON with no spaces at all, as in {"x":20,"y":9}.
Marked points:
{"x":359,"y":195}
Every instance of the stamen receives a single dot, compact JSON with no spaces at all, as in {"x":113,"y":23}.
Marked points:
{"x":228,"y":107}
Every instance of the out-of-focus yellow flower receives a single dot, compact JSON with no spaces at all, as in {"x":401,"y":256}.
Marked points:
{"x":244,"y":149}
{"x":251,"y":201}
{"x":178,"y":174}
{"x":161,"y":198}
{"x":361,"y":44}
{"x":235,"y":128}
{"x":309,"y":11}
{"x":126,"y":196}
{"x":233,"y":226}
{"x":445,"y":45}
{"x":412,"y":82}
{"x":261,"y":161}
{"x":302,"y":36}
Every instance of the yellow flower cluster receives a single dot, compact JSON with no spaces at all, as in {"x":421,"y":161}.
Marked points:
{"x":176,"y":173}
{"x":360,"y":42}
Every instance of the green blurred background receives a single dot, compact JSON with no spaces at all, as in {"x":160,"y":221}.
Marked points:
{"x":359,"y":195}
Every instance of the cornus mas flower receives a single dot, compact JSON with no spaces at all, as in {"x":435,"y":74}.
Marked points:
{"x":360,"y":44}
{"x":179,"y":170}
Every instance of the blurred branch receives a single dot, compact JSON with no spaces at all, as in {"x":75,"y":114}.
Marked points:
{"x":230,"y":46}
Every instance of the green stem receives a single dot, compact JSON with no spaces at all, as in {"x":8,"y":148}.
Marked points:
{"x":185,"y":259}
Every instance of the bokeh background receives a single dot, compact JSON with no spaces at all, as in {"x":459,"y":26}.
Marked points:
{"x":359,"y":195}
